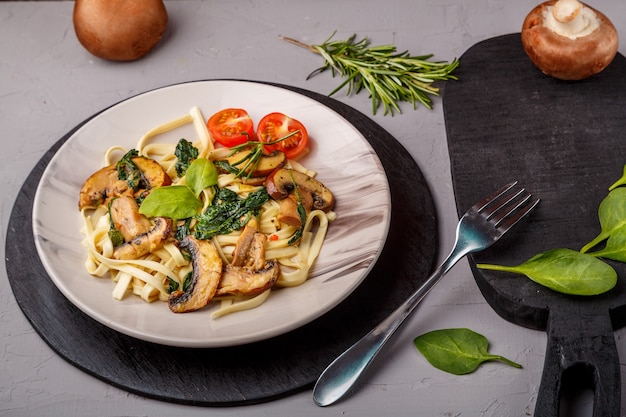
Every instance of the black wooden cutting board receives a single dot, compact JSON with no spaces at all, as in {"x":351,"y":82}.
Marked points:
{"x":566,"y":143}
{"x":250,"y":373}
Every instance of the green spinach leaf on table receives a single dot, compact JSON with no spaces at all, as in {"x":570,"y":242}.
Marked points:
{"x":612,"y":216}
{"x":457,"y":351}
{"x":566,"y":271}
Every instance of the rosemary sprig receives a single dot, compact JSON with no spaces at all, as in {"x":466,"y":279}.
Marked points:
{"x":389,"y":76}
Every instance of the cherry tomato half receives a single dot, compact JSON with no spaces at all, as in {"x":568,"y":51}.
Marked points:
{"x":277,"y":125}
{"x":231,"y":127}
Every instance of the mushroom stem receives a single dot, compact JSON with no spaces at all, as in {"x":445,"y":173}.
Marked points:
{"x":566,"y":10}
{"x":570,"y":18}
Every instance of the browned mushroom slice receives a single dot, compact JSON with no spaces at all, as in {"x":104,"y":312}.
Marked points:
{"x":281,"y":186}
{"x":127,"y":219}
{"x":237,"y":280}
{"x":207,"y":272}
{"x":288,"y":209}
{"x":282,"y":182}
{"x":267,"y":163}
{"x":249,"y":251}
{"x":100,"y":187}
{"x":104,"y":184}
{"x":154,"y":176}
{"x":146,"y":243}
{"x":249,"y":273}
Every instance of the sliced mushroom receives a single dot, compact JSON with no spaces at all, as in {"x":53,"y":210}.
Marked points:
{"x":249,"y":273}
{"x":288,"y":209}
{"x":282,"y":182}
{"x":104,"y":184}
{"x":127,"y":219}
{"x":101,"y":186}
{"x":146,"y":243}
{"x":207,"y":272}
{"x":312,"y":194}
{"x":154,"y":176}
{"x":237,"y":280}
{"x":249,"y":251}
{"x":266,"y":163}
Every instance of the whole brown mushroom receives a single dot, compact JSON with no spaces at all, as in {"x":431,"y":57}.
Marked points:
{"x":119,"y":30}
{"x":569,"y":40}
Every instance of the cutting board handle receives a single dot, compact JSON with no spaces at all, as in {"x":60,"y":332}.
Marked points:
{"x":579,"y":358}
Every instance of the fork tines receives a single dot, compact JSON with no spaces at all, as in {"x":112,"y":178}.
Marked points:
{"x":506,"y":206}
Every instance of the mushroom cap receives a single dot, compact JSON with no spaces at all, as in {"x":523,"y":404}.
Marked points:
{"x":147,"y":242}
{"x":565,"y":58}
{"x":280,"y":184}
{"x":119,"y":30}
{"x":105,"y":184}
{"x":207,"y":273}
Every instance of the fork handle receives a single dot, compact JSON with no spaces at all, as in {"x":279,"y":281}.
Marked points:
{"x":339,"y":377}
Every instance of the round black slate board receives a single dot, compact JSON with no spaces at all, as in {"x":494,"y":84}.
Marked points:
{"x":565,"y":142}
{"x":242,"y":374}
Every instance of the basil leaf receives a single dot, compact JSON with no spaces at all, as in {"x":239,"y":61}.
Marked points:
{"x":457,"y":351}
{"x":173,"y":201}
{"x":566,"y":271}
{"x":612,"y":215}
{"x":200,"y":175}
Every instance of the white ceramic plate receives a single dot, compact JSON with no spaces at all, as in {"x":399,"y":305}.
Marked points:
{"x":345,"y":163}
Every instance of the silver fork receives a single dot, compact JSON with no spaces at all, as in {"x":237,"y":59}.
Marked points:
{"x":480,"y":227}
